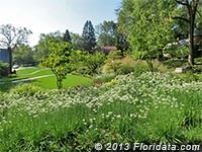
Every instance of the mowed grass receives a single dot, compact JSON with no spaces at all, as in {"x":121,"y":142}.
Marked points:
{"x":70,"y":81}
{"x":44,"y":78}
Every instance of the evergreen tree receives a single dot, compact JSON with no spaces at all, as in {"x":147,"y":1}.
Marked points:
{"x":67,"y":37}
{"x":88,"y":36}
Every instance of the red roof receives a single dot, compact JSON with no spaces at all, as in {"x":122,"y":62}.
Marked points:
{"x":108,"y":48}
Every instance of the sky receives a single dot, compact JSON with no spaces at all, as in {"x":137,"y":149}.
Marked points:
{"x":45,"y":16}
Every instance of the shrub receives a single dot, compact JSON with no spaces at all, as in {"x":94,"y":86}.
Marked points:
{"x":105,"y":77}
{"x":4,"y":68}
{"x":125,"y":69}
{"x":26,"y":89}
{"x":141,"y":67}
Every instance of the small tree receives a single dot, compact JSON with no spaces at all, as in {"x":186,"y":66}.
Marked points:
{"x":59,"y":61}
{"x":93,"y":62}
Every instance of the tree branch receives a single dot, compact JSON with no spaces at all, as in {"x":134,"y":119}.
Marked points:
{"x":181,"y":18}
{"x":182,"y":3}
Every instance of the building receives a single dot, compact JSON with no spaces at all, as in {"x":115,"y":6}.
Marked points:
{"x":106,"y":49}
{"x":4,"y":55}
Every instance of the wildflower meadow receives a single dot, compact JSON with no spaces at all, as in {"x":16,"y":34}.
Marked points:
{"x":150,"y":108}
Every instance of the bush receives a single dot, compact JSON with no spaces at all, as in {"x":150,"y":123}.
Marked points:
{"x":141,"y":67}
{"x":125,"y":69}
{"x":177,"y":51}
{"x":105,"y":77}
{"x":26,"y":89}
{"x":4,"y":68}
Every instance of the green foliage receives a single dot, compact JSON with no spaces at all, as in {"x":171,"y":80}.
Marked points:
{"x":175,"y":50}
{"x":42,"y":49}
{"x":124,"y":69}
{"x":4,"y":68}
{"x":106,"y":33}
{"x":140,"y":68}
{"x":113,"y":55}
{"x":104,"y":77}
{"x":23,"y":55}
{"x":77,"y":41}
{"x":174,"y":63}
{"x":58,"y":61}
{"x":93,"y":62}
{"x":115,"y":64}
{"x":25,"y":89}
{"x":152,"y":108}
{"x":88,"y":35}
{"x":147,"y":26}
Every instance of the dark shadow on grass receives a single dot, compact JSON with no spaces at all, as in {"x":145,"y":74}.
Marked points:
{"x":5,"y":88}
{"x":174,"y":63}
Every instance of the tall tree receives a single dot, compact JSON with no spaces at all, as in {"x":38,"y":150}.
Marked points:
{"x":11,"y":37}
{"x":192,"y":8}
{"x":67,"y":37}
{"x":107,"y":33}
{"x":147,"y":25}
{"x":88,"y":36}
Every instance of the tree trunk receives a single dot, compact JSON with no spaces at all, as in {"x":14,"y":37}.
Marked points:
{"x":191,"y":37}
{"x":191,"y":48}
{"x":10,"y":60}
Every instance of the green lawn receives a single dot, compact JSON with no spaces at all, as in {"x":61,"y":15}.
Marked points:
{"x":71,"y":80}
{"x":46,"y":82}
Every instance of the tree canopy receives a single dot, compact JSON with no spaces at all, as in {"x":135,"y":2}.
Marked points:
{"x":11,"y":37}
{"x":106,"y":33}
{"x":147,"y":25}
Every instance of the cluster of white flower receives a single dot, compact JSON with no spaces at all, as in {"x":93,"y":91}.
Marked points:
{"x":143,"y":94}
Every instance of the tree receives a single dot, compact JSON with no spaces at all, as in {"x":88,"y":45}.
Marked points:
{"x":42,"y":49}
{"x":147,"y":25}
{"x":107,"y":33}
{"x":77,"y":41}
{"x":11,"y":37}
{"x":23,"y":55}
{"x":59,"y":61}
{"x":88,"y":36}
{"x":67,"y":37}
{"x":192,"y":8}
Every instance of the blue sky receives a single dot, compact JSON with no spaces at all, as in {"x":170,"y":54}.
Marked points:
{"x":45,"y":16}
